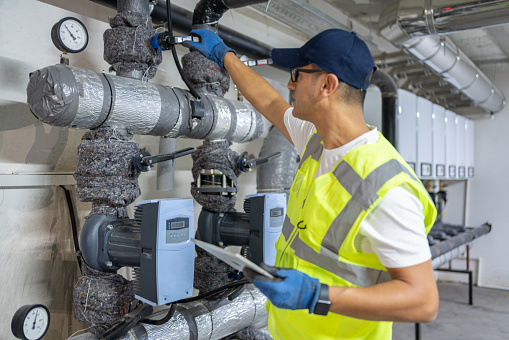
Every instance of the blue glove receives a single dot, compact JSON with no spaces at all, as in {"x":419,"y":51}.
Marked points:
{"x":290,"y":289}
{"x":211,"y":46}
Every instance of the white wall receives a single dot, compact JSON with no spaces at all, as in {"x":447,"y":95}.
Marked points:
{"x":36,"y":252}
{"x":488,"y":193}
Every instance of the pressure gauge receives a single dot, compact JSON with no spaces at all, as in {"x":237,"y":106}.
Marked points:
{"x":70,"y":35}
{"x":30,"y":322}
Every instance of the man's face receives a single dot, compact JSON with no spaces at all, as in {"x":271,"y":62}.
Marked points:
{"x":304,"y":91}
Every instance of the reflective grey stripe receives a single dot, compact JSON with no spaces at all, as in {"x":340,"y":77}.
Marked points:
{"x":358,"y":275}
{"x":364,"y":194}
{"x":314,"y":148}
{"x":287,"y":228}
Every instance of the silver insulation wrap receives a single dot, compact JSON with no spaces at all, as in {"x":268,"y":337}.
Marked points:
{"x":206,"y":319}
{"x":76,"y":98}
{"x":212,"y":319}
{"x":276,"y":175}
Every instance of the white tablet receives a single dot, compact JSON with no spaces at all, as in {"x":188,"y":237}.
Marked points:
{"x":235,"y":260}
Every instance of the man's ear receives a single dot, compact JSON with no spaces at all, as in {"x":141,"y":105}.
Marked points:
{"x":330,"y":84}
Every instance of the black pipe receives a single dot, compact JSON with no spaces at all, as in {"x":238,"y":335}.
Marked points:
{"x":389,"y":90}
{"x":182,"y":22}
{"x":74,"y":225}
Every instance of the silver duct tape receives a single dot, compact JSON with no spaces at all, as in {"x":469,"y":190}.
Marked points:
{"x":94,"y":99}
{"x":53,"y":95}
{"x":170,"y":112}
{"x":136,"y":105}
{"x":249,"y":123}
{"x":183,"y":124}
{"x":225,"y":118}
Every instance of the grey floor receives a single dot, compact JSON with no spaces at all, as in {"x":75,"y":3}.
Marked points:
{"x":486,"y":319}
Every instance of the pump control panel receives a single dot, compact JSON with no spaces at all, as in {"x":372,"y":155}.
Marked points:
{"x":271,"y":210}
{"x":166,"y":271}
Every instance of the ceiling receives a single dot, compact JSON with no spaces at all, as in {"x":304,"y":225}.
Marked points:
{"x":487,"y":47}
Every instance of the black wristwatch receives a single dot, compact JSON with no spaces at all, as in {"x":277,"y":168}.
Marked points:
{"x":323,"y":305}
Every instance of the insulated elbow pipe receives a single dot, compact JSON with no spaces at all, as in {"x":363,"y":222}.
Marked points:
{"x":389,"y":90}
{"x":210,"y":11}
{"x":415,"y":26}
{"x":66,"y":96}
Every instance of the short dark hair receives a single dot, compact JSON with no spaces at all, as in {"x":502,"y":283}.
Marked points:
{"x":351,"y":95}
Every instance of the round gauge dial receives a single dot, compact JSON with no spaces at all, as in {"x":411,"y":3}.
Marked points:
{"x":30,"y":322}
{"x":70,"y":35}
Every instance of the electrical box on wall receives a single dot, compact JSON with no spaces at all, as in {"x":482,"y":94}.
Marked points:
{"x":407,"y":127}
{"x":424,"y":138}
{"x":461,"y":146}
{"x":438,"y":117}
{"x":450,"y":142}
{"x":470,"y":148}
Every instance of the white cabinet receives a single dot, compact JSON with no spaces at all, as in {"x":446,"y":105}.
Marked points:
{"x":407,"y":127}
{"x":450,"y":142}
{"x":424,"y":138}
{"x":439,"y":139}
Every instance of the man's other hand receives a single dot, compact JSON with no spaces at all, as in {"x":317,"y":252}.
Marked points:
{"x":290,"y":289}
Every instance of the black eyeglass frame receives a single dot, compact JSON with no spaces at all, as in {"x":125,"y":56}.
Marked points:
{"x":294,"y":73}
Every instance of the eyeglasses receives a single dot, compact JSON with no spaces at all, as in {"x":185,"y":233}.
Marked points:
{"x":294,"y":73}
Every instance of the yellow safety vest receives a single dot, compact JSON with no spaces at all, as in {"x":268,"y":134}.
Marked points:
{"x":321,"y":233}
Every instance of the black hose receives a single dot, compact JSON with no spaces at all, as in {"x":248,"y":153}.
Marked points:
{"x":70,"y":206}
{"x":169,"y":315}
{"x":174,"y":53}
{"x":215,"y":291}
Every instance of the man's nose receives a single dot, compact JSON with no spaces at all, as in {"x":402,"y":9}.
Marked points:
{"x":290,"y":85}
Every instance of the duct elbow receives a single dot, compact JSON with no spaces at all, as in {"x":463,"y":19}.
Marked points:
{"x":208,"y":12}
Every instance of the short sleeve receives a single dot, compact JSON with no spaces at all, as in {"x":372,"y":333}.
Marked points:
{"x":298,"y":129}
{"x":395,"y":230}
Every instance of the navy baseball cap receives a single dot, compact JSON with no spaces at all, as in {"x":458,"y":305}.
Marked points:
{"x":336,"y":51}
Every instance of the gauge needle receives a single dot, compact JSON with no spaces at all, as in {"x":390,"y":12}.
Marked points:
{"x":68,"y":30}
{"x":35,"y":319}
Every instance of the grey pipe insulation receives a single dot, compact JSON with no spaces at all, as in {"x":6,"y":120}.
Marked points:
{"x":182,"y":21}
{"x":419,"y":27}
{"x":70,"y":97}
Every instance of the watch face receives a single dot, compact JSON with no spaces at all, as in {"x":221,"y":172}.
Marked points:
{"x":36,"y":323}
{"x":71,"y":35}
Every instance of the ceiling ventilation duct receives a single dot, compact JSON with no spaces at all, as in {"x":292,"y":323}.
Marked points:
{"x":419,"y":27}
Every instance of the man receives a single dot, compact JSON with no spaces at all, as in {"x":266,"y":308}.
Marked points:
{"x":353,"y":247}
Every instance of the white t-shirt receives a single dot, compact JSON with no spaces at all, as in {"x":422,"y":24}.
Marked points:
{"x":394,"y":230}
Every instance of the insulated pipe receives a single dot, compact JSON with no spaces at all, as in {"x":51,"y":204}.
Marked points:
{"x":276,"y":175}
{"x":458,"y":240}
{"x":214,"y":319}
{"x":182,"y":21}
{"x":166,"y":169}
{"x":210,"y":11}
{"x":389,"y":90}
{"x":139,"y":6}
{"x":415,"y":25}
{"x":66,"y":96}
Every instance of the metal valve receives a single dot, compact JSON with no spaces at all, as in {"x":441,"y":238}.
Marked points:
{"x":143,"y":161}
{"x":245,"y":163}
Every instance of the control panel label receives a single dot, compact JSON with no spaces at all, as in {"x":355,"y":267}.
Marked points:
{"x":277,"y":217}
{"x":177,"y":230}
